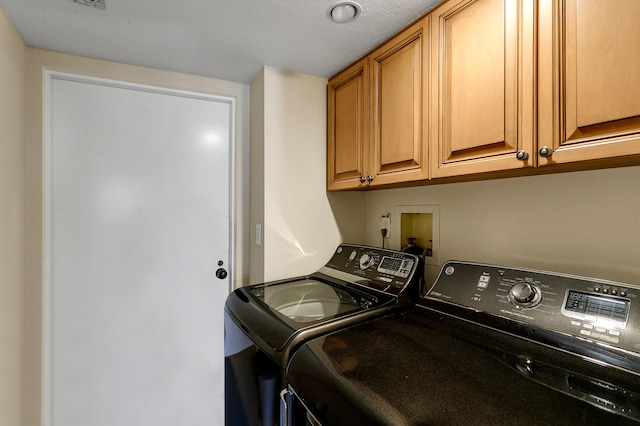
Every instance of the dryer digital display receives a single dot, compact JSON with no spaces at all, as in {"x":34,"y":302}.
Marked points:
{"x":596,"y":308}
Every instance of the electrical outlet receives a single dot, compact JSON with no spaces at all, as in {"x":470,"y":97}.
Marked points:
{"x":386,"y":224}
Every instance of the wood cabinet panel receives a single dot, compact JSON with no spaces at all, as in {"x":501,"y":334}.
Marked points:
{"x":348,"y":151}
{"x":475,"y":77}
{"x":589,"y":99}
{"x":347,"y":131}
{"x":607,"y":84}
{"x":482,"y":85}
{"x":398,"y":108}
{"x":398,"y":127}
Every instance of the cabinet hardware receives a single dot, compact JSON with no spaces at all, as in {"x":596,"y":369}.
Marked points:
{"x":545,"y":151}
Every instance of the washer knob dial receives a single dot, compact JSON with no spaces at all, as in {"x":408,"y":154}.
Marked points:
{"x":366,"y":261}
{"x":524,"y":295}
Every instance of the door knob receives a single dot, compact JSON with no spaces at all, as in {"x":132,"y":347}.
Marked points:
{"x":221,"y":273}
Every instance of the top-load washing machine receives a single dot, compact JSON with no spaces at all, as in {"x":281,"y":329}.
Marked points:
{"x":266,"y":323}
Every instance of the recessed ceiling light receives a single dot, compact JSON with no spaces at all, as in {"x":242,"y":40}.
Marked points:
{"x":344,"y":11}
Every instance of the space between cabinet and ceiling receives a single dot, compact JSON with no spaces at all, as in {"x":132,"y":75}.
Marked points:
{"x":476,"y":87}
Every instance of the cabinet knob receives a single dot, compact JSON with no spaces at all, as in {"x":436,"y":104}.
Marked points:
{"x":522,"y":155}
{"x":362,"y":179}
{"x":545,"y":151}
{"x":369,"y":178}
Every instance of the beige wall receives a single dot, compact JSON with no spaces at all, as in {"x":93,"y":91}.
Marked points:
{"x":257,"y":186}
{"x":301,"y":223}
{"x":585,"y":223}
{"x":12,"y":63}
{"x":37,"y":61}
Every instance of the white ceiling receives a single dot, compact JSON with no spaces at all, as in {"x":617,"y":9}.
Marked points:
{"x":226,"y":39}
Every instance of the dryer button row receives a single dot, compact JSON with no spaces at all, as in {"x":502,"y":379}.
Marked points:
{"x":587,"y":328}
{"x":613,"y":291}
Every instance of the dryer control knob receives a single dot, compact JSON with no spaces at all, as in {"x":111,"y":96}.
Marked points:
{"x":524,"y":295}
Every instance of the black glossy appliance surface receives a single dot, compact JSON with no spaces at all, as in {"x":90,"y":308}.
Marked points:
{"x":467,"y":354}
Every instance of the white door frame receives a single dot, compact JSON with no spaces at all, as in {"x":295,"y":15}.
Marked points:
{"x":49,"y":76}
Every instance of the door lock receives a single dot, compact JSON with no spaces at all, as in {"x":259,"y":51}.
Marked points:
{"x":221,"y":273}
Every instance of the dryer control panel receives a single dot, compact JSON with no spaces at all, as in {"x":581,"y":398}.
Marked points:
{"x":588,"y":308}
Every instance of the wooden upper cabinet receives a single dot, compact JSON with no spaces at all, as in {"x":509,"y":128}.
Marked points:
{"x":589,"y":79}
{"x":347,"y":129}
{"x":482,"y":85}
{"x":398,"y":108}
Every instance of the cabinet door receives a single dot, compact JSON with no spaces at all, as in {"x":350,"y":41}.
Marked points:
{"x":399,"y":149}
{"x":347,"y":131}
{"x":589,"y":79}
{"x":482,"y":86}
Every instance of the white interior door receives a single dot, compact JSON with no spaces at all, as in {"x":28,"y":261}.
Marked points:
{"x":138,"y":220}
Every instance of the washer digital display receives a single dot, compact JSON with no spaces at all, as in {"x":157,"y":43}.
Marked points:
{"x":395,"y":266}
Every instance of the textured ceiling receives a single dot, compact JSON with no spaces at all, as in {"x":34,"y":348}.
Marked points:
{"x":226,"y":39}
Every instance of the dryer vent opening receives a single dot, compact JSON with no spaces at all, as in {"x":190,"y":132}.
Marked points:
{"x":98,"y":4}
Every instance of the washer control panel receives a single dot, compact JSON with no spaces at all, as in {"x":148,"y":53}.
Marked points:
{"x":386,"y":268}
{"x":589,"y":308}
